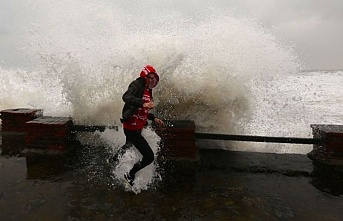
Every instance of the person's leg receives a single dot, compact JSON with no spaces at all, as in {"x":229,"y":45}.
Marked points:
{"x":136,"y":138}
{"x":120,"y":152}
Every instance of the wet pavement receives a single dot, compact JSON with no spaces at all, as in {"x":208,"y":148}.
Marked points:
{"x":223,"y":185}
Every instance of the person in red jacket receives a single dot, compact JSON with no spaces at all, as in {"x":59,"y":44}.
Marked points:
{"x":138,"y":102}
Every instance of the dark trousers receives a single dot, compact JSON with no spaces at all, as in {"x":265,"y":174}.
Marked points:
{"x":135,"y":137}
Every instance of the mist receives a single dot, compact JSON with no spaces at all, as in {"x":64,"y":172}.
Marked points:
{"x":314,"y":28}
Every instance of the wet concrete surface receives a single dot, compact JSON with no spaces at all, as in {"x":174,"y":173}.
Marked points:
{"x":223,"y":185}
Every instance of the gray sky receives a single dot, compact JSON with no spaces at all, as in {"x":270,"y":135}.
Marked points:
{"x":315,"y":27}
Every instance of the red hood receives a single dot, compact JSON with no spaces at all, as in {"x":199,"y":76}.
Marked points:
{"x":148,"y":69}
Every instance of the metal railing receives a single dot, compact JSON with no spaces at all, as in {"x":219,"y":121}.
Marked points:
{"x":294,"y":140}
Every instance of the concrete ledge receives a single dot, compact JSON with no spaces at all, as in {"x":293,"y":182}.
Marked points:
{"x":178,"y":140}
{"x":49,"y":133}
{"x":330,"y":149}
{"x":15,"y":119}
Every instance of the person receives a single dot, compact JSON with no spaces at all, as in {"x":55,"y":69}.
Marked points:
{"x":135,"y":115}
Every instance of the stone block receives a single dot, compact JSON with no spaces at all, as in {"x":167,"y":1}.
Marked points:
{"x":14,"y":119}
{"x":330,"y":147}
{"x":330,"y":136}
{"x":12,"y":143}
{"x":49,"y":133}
{"x":178,"y":139}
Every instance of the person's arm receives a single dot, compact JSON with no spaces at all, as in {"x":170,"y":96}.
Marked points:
{"x":159,"y":121}
{"x":130,"y":98}
{"x":151,"y":116}
{"x":155,"y":119}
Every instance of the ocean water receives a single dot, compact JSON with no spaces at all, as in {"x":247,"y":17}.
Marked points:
{"x":223,"y":70}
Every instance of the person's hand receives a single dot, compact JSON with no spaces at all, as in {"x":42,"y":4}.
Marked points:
{"x":149,"y":105}
{"x":159,"y":122}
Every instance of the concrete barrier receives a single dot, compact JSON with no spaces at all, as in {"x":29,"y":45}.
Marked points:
{"x":330,"y":148}
{"x":46,"y":134}
{"x":13,"y":120}
{"x":178,"y":139}
{"x":49,"y":134}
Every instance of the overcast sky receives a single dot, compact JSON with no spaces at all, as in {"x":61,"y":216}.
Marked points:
{"x":315,"y":27}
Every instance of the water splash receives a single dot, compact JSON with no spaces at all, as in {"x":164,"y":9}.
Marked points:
{"x":84,"y":54}
{"x":146,"y":177}
{"x":207,"y":59}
